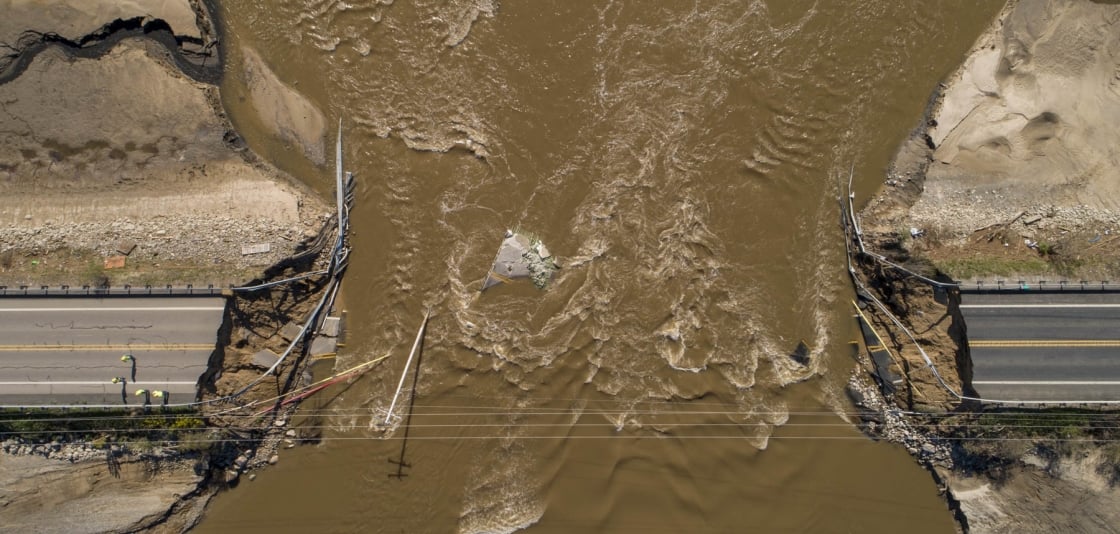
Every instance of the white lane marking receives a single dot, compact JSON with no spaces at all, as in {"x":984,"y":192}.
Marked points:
{"x":1040,"y":305}
{"x":1045,"y":383}
{"x":186,"y":308}
{"x":96,"y":382}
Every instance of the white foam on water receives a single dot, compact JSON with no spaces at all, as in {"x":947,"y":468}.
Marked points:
{"x":466,"y":13}
{"x":649,"y":303}
{"x":502,"y":494}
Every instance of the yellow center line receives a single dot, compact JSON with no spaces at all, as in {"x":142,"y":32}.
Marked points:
{"x":1047,"y":343}
{"x":119,"y":348}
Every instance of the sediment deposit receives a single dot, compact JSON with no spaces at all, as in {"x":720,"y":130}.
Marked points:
{"x":114,"y":143}
{"x":1013,"y":175}
{"x":101,"y":153}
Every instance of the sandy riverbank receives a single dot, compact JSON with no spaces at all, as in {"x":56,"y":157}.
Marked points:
{"x":1016,"y":171}
{"x":102,"y":153}
{"x":114,"y":142}
{"x":1013,"y":175}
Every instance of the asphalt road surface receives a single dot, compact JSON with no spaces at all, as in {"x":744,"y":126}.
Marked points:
{"x":1060,"y":347}
{"x":68,"y":350}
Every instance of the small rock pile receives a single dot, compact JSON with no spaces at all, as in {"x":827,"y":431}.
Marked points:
{"x":886,"y":421}
{"x":54,"y":450}
{"x":236,"y":462}
{"x":966,"y":212}
{"x":73,"y":452}
{"x":200,"y":240}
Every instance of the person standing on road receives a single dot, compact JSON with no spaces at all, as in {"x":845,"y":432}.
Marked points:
{"x":129,"y":358}
{"x":124,"y":387}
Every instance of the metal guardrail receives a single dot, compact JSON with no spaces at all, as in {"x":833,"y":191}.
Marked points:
{"x":126,"y":290}
{"x":340,"y":253}
{"x":1037,"y":286}
{"x":853,"y":233}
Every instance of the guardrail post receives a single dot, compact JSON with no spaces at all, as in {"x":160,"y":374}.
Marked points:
{"x":190,"y":289}
{"x":1062,"y":285}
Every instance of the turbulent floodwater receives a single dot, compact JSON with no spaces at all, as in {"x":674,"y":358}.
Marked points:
{"x":681,"y":159}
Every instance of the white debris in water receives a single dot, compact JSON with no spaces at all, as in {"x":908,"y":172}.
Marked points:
{"x":521,"y":256}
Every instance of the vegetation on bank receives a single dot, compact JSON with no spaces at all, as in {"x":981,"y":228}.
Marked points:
{"x":970,"y":268}
{"x":182,"y":429}
{"x":83,"y":267}
{"x":1053,"y":423}
{"x":993,"y":442}
{"x":1004,"y":254}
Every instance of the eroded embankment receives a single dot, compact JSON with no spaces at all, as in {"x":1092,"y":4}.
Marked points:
{"x":203,"y":65}
{"x":1002,"y":179}
{"x":187,"y":29}
{"x":1013,"y":171}
{"x":145,"y":166}
{"x":101,"y":464}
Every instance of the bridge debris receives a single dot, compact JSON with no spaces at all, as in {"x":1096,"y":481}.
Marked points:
{"x":114,"y":262}
{"x":801,"y":354}
{"x":258,"y":248}
{"x":126,"y":247}
{"x":332,"y":326}
{"x":521,"y":256}
{"x":291,"y":331}
{"x":265,"y":359}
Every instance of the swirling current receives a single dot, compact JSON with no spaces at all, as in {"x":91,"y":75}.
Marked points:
{"x":681,"y":159}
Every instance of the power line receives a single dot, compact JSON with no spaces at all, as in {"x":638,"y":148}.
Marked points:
{"x":482,"y":411}
{"x":647,"y":425}
{"x":505,"y":437}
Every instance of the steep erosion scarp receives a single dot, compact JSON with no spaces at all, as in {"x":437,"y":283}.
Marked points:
{"x":1013,"y":175}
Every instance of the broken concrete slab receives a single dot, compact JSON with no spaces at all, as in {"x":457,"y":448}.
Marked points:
{"x":511,"y":257}
{"x":126,"y":247}
{"x":521,"y":256}
{"x":290,"y":331}
{"x":332,"y":326}
{"x":259,"y":248}
{"x":265,"y":359}
{"x":323,"y":345}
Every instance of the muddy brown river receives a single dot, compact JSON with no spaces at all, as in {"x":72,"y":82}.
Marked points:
{"x":681,"y":159}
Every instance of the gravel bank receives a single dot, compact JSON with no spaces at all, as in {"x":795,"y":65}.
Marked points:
{"x":151,"y":163}
{"x":1013,"y":175}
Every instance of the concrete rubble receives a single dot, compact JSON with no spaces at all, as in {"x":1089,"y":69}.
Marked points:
{"x":521,"y":256}
{"x":265,"y":359}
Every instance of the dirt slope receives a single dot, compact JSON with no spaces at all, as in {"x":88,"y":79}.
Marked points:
{"x":1014,"y":176}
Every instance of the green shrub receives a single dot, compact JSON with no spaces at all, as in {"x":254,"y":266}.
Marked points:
{"x":195,"y":442}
